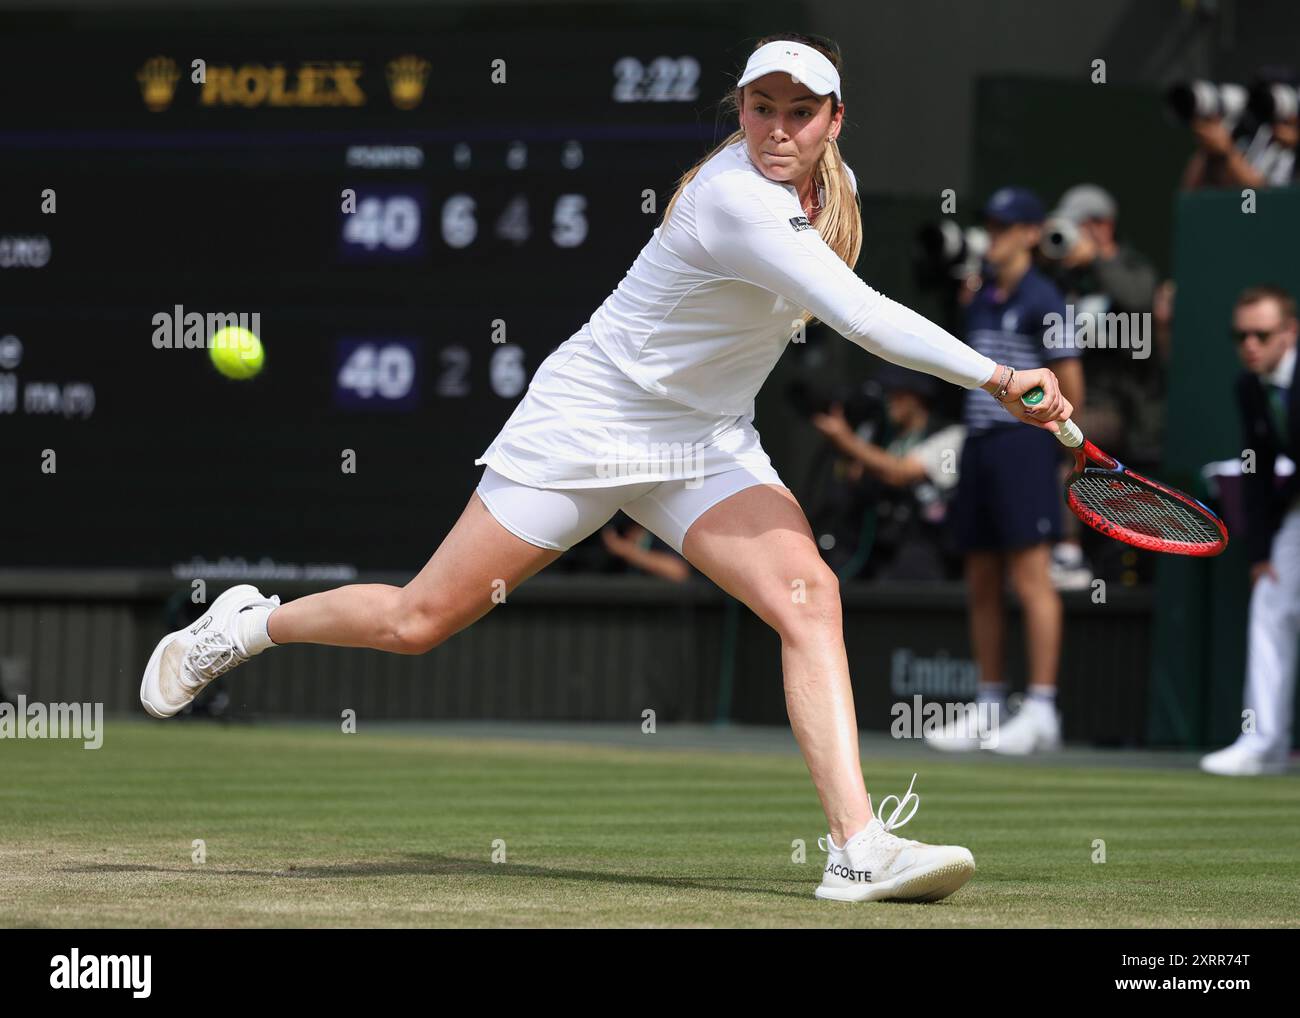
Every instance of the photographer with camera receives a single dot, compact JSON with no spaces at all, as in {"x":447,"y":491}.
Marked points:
{"x":916,"y":471}
{"x":1243,"y":138}
{"x":1080,"y":238}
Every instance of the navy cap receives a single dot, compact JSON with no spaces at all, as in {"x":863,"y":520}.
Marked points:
{"x":1014,"y":205}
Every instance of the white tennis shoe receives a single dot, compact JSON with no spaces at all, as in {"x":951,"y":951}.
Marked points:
{"x":877,"y":865}
{"x":960,"y":735}
{"x":1241,"y":760}
{"x":184,"y":662}
{"x":1035,"y":728}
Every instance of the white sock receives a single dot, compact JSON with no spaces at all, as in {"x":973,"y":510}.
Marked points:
{"x":991,"y":692}
{"x":250,"y":629}
{"x":1043,"y":694}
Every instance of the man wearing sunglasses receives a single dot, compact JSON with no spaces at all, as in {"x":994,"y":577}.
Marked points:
{"x":1264,"y":330}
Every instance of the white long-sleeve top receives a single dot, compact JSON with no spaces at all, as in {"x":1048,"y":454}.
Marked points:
{"x":676,"y":354}
{"x":710,"y":302}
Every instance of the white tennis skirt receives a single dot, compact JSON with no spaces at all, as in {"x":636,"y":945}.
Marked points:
{"x":586,"y":429}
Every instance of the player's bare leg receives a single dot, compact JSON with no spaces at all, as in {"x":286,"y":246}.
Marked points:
{"x":477,"y":564}
{"x":757,"y":546}
{"x":479,"y":560}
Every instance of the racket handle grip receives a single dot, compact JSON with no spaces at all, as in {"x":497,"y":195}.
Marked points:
{"x":1069,"y":434}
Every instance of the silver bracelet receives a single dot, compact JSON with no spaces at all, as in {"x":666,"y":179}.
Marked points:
{"x":1005,"y":384}
{"x":1008,"y":373}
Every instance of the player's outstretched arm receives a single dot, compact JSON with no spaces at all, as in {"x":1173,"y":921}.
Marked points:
{"x":746,"y":229}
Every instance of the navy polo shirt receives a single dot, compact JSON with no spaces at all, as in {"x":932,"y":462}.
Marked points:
{"x":1016,"y":331}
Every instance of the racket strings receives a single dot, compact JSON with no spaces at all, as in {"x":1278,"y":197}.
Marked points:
{"x":1132,"y":505}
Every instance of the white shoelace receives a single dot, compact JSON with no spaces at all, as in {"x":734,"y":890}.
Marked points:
{"x":211,"y":655}
{"x":893,"y":820}
{"x":888,"y":824}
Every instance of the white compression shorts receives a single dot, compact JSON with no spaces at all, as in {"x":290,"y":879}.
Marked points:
{"x":558,"y":518}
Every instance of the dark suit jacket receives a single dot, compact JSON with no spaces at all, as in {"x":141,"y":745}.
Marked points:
{"x":1266,"y":498}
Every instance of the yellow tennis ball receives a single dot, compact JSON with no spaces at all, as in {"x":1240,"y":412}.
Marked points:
{"x":236,"y":352}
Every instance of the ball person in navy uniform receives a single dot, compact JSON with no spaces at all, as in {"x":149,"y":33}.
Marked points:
{"x":1006,"y":514}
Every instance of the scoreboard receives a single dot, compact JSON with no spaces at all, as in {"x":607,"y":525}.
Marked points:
{"x":414,"y":207}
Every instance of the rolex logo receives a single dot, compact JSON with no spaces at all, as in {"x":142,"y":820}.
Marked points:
{"x":158,"y":79}
{"x":406,"y":78}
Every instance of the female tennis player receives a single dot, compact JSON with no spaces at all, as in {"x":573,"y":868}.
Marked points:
{"x":649,"y":408}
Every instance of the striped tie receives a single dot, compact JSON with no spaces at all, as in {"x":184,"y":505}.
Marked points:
{"x":1277,"y":404}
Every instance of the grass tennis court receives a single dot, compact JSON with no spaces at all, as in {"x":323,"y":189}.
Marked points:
{"x":305,"y":826}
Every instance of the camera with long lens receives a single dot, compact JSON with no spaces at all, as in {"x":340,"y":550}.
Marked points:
{"x":945,"y":253}
{"x":1059,"y":237}
{"x":1267,"y":101}
{"x":1273,"y":101}
{"x":1200,"y":99}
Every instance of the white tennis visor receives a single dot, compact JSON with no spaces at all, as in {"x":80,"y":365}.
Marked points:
{"x":806,"y":65}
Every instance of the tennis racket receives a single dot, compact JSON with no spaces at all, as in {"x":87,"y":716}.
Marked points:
{"x":1112,"y":499}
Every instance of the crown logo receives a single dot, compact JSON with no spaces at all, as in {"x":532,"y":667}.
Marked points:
{"x":158,"y":79}
{"x":406,"y":78}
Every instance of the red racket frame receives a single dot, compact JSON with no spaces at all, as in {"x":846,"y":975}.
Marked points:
{"x":1088,"y":454}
